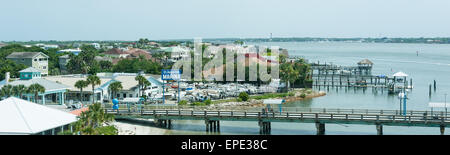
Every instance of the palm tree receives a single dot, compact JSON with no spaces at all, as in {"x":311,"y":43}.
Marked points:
{"x":141,"y":80}
{"x":6,"y":91}
{"x":114,"y":88}
{"x":19,"y":90}
{"x":80,"y":84}
{"x":288,"y":74}
{"x":91,"y":119}
{"x":36,"y":89}
{"x":93,"y":80}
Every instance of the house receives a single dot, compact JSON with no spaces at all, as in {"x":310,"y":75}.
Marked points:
{"x":116,"y":53}
{"x":96,"y":45}
{"x":2,"y":45}
{"x":36,"y":60}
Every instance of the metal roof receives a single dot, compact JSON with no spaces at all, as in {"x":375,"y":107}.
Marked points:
{"x":25,"y":54}
{"x":24,"y":117}
{"x":30,"y":69}
{"x":47,"y":84}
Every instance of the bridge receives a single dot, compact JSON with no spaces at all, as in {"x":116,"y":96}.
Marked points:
{"x":164,"y":116}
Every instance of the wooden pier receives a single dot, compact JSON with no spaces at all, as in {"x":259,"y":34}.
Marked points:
{"x":321,"y":117}
{"x":329,"y":75}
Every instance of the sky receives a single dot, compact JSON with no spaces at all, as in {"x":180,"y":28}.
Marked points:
{"x":24,"y":20}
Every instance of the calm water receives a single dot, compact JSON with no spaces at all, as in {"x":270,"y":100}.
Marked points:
{"x":433,"y":63}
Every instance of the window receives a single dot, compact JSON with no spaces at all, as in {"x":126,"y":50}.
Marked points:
{"x":130,"y":95}
{"x":124,"y":95}
{"x":35,"y":59}
{"x":45,"y":67}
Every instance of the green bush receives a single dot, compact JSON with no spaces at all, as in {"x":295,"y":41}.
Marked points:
{"x":291,"y":94}
{"x":243,"y":96}
{"x":208,"y":102}
{"x":183,"y":102}
{"x":303,"y":95}
{"x":198,"y":104}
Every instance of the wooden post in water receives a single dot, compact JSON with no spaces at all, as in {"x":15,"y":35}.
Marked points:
{"x":379,"y":129}
{"x":434,"y":85}
{"x":429,"y":91}
{"x":410,"y":83}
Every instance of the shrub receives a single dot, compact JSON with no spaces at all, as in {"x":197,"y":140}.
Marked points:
{"x":208,"y":102}
{"x":183,"y":102}
{"x":243,"y":96}
{"x":303,"y":95}
{"x":291,"y":94}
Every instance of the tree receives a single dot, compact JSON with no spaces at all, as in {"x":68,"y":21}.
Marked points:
{"x":6,"y":91}
{"x":91,"y":122}
{"x":36,"y":89}
{"x":19,"y":90}
{"x":80,"y":84}
{"x":114,"y":88}
{"x":93,"y":80}
{"x":288,"y":74}
{"x":141,"y":80}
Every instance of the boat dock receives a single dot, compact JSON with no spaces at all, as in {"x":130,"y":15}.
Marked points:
{"x":329,"y":75}
{"x":320,"y":117}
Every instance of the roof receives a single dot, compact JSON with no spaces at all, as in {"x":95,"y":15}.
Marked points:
{"x":24,"y":117}
{"x":274,"y":101}
{"x":30,"y":69}
{"x":47,"y":84}
{"x":70,"y":81}
{"x":65,"y":56}
{"x":115,"y":51}
{"x":25,"y":54}
{"x":79,"y":111}
{"x":365,"y":62}
{"x":400,"y":74}
{"x":135,"y":53}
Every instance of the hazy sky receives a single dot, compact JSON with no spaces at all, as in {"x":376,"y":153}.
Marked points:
{"x":185,"y":19}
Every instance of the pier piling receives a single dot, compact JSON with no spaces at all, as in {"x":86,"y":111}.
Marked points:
{"x":320,"y":128}
{"x":379,"y":129}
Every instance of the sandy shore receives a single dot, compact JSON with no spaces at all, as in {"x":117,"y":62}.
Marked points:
{"x":126,"y":128}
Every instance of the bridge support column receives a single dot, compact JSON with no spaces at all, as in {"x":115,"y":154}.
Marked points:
{"x":320,"y":128}
{"x":379,"y":129}
{"x":212,"y":126}
{"x":442,"y":129}
{"x":207,"y":125}
{"x":264,"y":128}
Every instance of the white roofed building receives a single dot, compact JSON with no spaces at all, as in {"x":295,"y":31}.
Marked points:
{"x":21,"y":117}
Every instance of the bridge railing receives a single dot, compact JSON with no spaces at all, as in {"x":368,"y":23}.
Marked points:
{"x":284,"y":109}
{"x":291,"y":115}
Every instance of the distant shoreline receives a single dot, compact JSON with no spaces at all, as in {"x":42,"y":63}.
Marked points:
{"x":429,"y":40}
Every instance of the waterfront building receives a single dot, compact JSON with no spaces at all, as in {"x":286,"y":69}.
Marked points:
{"x":21,"y":117}
{"x":54,"y":92}
{"x":37,"y":60}
{"x":365,"y":67}
{"x":101,"y":92}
